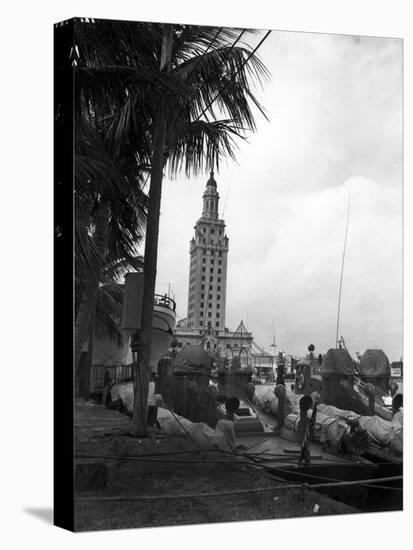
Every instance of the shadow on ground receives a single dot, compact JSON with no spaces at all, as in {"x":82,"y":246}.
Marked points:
{"x":45,"y":514}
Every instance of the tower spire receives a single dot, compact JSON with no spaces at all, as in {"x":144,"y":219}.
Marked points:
{"x":211,"y":199}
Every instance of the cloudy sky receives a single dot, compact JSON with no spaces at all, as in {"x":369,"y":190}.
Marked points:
{"x":334,"y":105}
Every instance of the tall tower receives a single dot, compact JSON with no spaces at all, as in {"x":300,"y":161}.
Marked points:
{"x":208,"y":265}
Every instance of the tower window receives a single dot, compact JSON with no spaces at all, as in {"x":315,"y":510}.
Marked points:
{"x":217,"y":315}
{"x":209,"y":314}
{"x":219,"y":288}
{"x":219,"y":270}
{"x":219,"y":279}
{"x":219,"y":262}
{"x":219,"y":297}
{"x":218,"y":306}
{"x":203,"y":277}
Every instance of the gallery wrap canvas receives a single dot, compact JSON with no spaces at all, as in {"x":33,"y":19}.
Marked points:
{"x":228,"y":274}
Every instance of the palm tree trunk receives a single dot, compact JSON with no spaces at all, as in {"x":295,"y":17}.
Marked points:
{"x":89,"y":297}
{"x":139,"y":418}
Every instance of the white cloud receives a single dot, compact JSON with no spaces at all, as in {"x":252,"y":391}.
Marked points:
{"x":335,"y":112}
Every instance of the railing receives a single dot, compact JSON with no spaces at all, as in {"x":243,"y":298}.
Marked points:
{"x":118,"y":374}
{"x":164,"y":301}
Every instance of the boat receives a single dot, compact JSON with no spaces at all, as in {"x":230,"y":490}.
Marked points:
{"x":118,"y":359}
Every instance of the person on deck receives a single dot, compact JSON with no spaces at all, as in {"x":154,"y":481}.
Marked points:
{"x":107,"y":384}
{"x":397,"y":408}
{"x":306,"y":427}
{"x":231,"y":406}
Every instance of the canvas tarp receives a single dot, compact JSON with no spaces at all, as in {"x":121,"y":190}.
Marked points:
{"x":387,"y":433}
{"x":374,"y":363}
{"x":222,"y":437}
{"x":337,"y":361}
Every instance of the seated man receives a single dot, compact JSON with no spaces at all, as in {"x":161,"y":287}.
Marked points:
{"x":231,"y":406}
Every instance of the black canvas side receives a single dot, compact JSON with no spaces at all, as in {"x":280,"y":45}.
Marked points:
{"x":63,"y":275}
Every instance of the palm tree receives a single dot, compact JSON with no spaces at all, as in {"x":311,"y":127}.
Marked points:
{"x":173,"y":95}
{"x":180,"y":135}
{"x":110,"y":210}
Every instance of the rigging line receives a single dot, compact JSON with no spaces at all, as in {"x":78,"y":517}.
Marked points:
{"x":342,"y":265}
{"x":242,"y":66}
{"x":205,"y":52}
{"x":199,"y":61}
{"x":226,"y":199}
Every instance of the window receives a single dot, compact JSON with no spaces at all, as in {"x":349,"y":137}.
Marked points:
{"x":218,"y":296}
{"x":219,"y":270}
{"x":219,"y":279}
{"x":204,"y":230}
{"x":203,"y":287}
{"x":203,"y":278}
{"x":201,"y":313}
{"x":217,"y":325}
{"x":211,"y":279}
{"x":220,"y":253}
{"x":211,"y":270}
{"x":209,"y":314}
{"x":217,"y":315}
{"x":202,"y":296}
{"x":203,"y":270}
{"x":210,"y":297}
{"x":218,"y":306}
{"x":202,"y":304}
{"x":212,"y":230}
{"x":219,"y":262}
{"x":203,"y":260}
{"x":219,"y":288}
{"x":201,"y":322}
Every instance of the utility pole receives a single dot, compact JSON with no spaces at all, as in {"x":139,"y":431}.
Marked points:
{"x":139,"y":420}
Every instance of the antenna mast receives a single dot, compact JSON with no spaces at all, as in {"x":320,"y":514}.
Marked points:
{"x":342,"y":265}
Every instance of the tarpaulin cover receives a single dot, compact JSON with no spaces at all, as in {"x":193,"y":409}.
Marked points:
{"x":326,"y":428}
{"x":387,"y":433}
{"x":223,"y":437}
{"x":265,"y":398}
{"x":374,"y":362}
{"x":337,"y":361}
